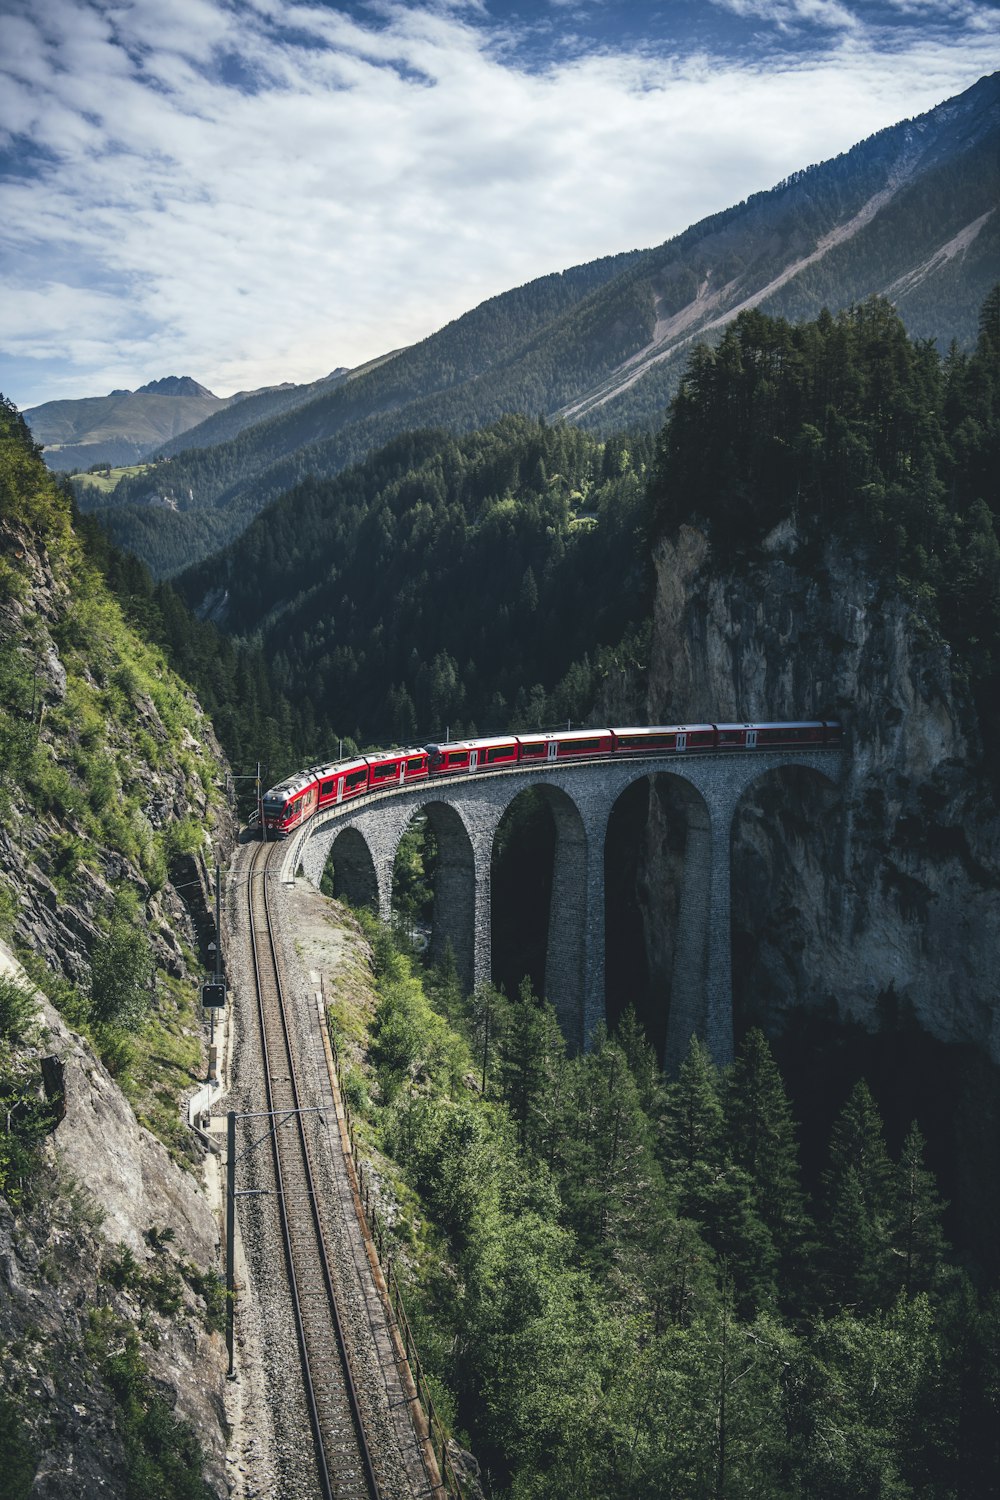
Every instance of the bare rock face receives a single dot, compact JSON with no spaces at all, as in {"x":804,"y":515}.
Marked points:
{"x":63,"y":1309}
{"x":886,"y":890}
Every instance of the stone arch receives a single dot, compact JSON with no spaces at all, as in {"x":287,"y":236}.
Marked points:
{"x":672,"y":875}
{"x":355,"y":878}
{"x":565,"y":973}
{"x":787,"y":891}
{"x":454,"y":915}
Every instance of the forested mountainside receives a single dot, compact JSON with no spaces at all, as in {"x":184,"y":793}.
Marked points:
{"x":111,"y":785}
{"x":909,"y":213}
{"x":468,"y":584}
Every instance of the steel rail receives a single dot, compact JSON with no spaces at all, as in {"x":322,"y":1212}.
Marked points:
{"x":267,"y":975}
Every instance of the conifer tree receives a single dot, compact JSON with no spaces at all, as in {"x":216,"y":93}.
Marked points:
{"x":706,"y":1184}
{"x":857,"y":1187}
{"x":611,"y":1181}
{"x":760,"y":1133}
{"x":916,"y":1236}
{"x":531,"y":1056}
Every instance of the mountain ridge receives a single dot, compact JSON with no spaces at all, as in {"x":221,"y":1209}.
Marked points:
{"x":602,"y":344}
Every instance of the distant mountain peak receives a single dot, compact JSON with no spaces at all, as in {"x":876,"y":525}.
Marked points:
{"x":174,"y":385}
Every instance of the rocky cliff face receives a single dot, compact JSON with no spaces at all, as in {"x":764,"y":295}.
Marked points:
{"x":104,"y":748}
{"x":884,"y":893}
{"x":72,"y":1299}
{"x":110,"y":778}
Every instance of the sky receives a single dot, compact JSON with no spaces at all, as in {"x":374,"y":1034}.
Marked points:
{"x":256,"y":191}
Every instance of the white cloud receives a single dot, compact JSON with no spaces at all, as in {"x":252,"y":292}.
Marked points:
{"x":787,"y":13}
{"x":350,"y":188}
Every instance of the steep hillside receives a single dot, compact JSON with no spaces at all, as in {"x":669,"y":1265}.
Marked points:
{"x":467,"y":582}
{"x":909,"y":213}
{"x":111,"y":785}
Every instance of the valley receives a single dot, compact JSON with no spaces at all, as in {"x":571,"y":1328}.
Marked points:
{"x":662,"y":1091}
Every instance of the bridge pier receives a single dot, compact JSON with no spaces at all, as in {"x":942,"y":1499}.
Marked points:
{"x":688,"y":1009}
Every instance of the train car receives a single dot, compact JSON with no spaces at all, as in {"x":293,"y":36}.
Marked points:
{"x":663,"y":739}
{"x":494,"y":754}
{"x":572,"y":744}
{"x":396,"y":768}
{"x":769,"y":736}
{"x":290,"y":802}
{"x":341,"y":781}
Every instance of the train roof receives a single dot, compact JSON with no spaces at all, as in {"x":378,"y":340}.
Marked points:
{"x":382,"y":755}
{"x":565,"y":734}
{"x":776,"y":724}
{"x":335,"y":767}
{"x":292,"y":784}
{"x":485,"y":741}
{"x":641,"y":729}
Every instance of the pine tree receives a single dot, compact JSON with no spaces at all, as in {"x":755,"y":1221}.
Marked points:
{"x":916,"y":1237}
{"x":611,"y":1182}
{"x":857,"y":1188}
{"x":760,"y":1133}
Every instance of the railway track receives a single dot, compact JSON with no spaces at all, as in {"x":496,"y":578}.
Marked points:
{"x":344,"y":1461}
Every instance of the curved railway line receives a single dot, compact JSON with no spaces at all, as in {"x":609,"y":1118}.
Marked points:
{"x":345,"y":1464}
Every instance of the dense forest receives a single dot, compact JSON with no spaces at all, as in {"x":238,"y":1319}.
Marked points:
{"x":494,"y":581}
{"x":446,"y":582}
{"x":623,"y":1287}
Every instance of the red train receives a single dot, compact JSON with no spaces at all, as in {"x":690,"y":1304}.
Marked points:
{"x":292,"y":801}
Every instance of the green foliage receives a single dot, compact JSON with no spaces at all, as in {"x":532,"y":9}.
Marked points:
{"x":18,"y":1462}
{"x":600,"y":1289}
{"x":163,"y":1456}
{"x":335,"y":581}
{"x":121,"y":969}
{"x":26,"y":1115}
{"x":851,"y":429}
{"x":18,"y":1010}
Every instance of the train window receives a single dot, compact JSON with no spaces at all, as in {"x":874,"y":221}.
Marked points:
{"x":416,"y":764}
{"x":354,"y":780}
{"x":579,"y":747}
{"x":457,"y":758}
{"x":383,"y":773}
{"x":498,"y":752}
{"x":326,"y":790}
{"x":533,"y":752}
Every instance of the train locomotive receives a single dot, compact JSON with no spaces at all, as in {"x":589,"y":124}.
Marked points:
{"x":288,"y":805}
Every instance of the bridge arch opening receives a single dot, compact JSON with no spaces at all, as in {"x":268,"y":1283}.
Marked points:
{"x":539,"y":900}
{"x":434,"y":886}
{"x":786,"y":894}
{"x":350,"y":873}
{"x":657,"y":869}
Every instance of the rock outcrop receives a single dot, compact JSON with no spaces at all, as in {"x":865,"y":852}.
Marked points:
{"x":888,"y":892}
{"x":65,"y":1304}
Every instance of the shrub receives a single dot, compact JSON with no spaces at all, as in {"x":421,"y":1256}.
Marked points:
{"x":18,"y":1010}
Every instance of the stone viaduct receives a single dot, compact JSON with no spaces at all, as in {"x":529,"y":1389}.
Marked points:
{"x":465,"y":811}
